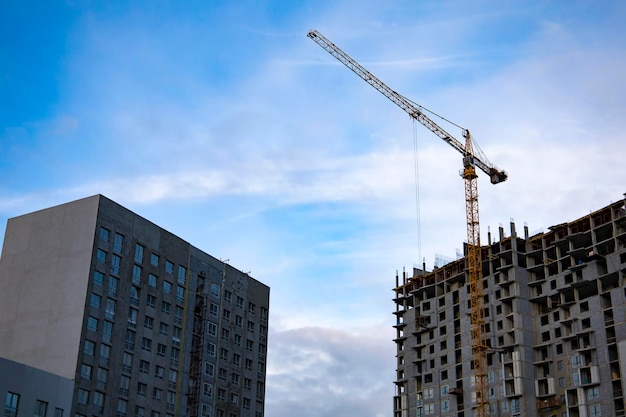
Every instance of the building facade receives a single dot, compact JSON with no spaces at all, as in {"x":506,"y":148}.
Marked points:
{"x":555,"y":310}
{"x":118,"y":317}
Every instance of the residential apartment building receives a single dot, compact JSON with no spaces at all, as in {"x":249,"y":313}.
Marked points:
{"x":103,"y":313}
{"x":555,"y":310}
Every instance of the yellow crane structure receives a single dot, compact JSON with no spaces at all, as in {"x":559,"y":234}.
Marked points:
{"x":472,"y":158}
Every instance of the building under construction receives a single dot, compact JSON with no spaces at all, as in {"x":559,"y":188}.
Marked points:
{"x":555,"y":325}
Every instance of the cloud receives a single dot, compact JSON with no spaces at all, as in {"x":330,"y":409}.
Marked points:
{"x":337,"y":372}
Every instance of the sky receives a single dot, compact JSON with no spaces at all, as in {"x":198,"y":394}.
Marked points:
{"x":223,"y":123}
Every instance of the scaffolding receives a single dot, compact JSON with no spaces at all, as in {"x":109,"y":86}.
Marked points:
{"x":197,"y":349}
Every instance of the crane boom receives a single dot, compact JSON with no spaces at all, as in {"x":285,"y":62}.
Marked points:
{"x":471,"y":158}
{"x":405,"y":104}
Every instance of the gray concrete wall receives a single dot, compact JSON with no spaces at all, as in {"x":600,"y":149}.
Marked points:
{"x":33,"y":384}
{"x":44,"y":273}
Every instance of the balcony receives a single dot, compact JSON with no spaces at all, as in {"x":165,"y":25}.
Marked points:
{"x":548,"y":403}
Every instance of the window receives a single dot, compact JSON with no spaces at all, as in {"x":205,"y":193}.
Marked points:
{"x":222,"y":373}
{"x":117,"y":243}
{"x":239,"y":302}
{"x":139,"y":253}
{"x":130,"y":340}
{"x":576,"y":362}
{"x":154,"y":259}
{"x":207,"y":389}
{"x":221,"y":394}
{"x":225,"y":334}
{"x":95,"y":300}
{"x":205,"y":410}
{"x":132,"y":317}
{"x":101,"y":256}
{"x":127,"y":362}
{"x":251,"y":326}
{"x":98,"y":277}
{"x":210,"y":349}
{"x":115,"y":264}
{"x":209,"y":368}
{"x":152,"y":280}
{"x":249,"y":345}
{"x":101,"y":376}
{"x":212,"y":329}
{"x":234,"y":398}
{"x":182,"y":275}
{"x":429,"y":393}
{"x":141,"y":389}
{"x":445,"y":406}
{"x":172,"y":378}
{"x":104,"y":234}
{"x":595,"y":411}
{"x":146,"y":344}
{"x":134,"y":296}
{"x":167,"y":287}
{"x":89,"y":347}
{"x":105,"y":351}
{"x":140,"y":412}
{"x":58,"y":412}
{"x":113,"y":285}
{"x":161,"y":349}
{"x":11,"y":404}
{"x":429,"y":409}
{"x":92,"y":324}
{"x":180,"y":294}
{"x":165,"y":307}
{"x":85,"y":371}
{"x":224,"y":354}
{"x":83,"y":396}
{"x":159,"y":371}
{"x":151,"y":301}
{"x":174,"y":354}
{"x":515,"y":405}
{"x":136,"y":275}
{"x":124,"y":385}
{"x":213,"y":309}
{"x":163,"y":328}
{"x":144,"y":366}
{"x":228,"y":295}
{"x":237,"y":339}
{"x":236,"y":359}
{"x":251,"y":307}
{"x":109,"y":310}
{"x":41,"y":409}
{"x":148,"y":322}
{"x":121,"y":407}
{"x":239,"y":321}
{"x":157,"y":394}
{"x":98,"y":401}
{"x":234,"y":378}
{"x":215,"y":290}
{"x":247,"y":383}
{"x":169,"y":267}
{"x":593,"y":393}
{"x":177,"y":334}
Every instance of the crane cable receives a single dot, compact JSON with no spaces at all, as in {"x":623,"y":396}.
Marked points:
{"x":417,"y":193}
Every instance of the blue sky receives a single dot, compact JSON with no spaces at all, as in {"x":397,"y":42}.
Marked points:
{"x":223,"y":123}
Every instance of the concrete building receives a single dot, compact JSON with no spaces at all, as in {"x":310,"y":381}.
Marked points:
{"x":103,"y":313}
{"x":555,"y":308}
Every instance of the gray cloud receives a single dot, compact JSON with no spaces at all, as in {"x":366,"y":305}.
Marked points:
{"x":321,"y":372}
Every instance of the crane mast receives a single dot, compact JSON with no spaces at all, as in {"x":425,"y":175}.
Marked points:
{"x":472,"y":158}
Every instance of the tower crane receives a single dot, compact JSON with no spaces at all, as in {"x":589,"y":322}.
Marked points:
{"x":472,"y":158}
